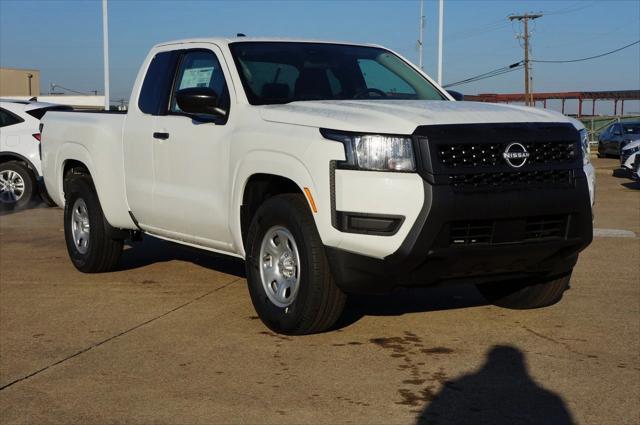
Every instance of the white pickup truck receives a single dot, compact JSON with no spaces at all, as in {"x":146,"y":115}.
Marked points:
{"x":331,"y":169}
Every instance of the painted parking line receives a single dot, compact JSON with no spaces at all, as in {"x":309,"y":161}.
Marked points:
{"x":613,"y":233}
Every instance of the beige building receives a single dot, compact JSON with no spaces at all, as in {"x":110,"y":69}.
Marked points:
{"x":19,"y":82}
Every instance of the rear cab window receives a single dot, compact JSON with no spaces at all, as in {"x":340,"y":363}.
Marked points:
{"x":156,"y":88}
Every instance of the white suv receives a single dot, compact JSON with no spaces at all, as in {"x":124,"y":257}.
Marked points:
{"x":20,"y":172}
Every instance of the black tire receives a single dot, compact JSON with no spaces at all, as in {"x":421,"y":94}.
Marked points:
{"x":528,"y":295}
{"x":44,"y":195}
{"x":29,"y":185}
{"x":102,"y":252}
{"x":319,"y":302}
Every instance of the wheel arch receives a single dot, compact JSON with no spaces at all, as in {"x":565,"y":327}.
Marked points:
{"x":257,"y":189}
{"x":74,"y":156}
{"x":260,"y":176}
{"x":7,"y":156}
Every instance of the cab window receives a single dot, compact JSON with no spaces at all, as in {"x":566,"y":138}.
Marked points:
{"x":200,"y":68}
{"x":380,"y":78}
{"x":154,"y":94}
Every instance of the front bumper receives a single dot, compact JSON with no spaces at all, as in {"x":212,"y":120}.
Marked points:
{"x":627,"y":158}
{"x":429,"y":256}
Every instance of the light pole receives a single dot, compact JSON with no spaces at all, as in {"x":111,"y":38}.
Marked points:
{"x":440,"y":31}
{"x":421,"y":36}
{"x":105,"y":42}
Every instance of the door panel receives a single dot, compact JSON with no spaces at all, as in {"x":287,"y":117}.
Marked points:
{"x":191,"y":165}
{"x":138,"y":140}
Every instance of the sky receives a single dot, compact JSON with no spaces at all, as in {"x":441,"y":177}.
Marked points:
{"x":63,"y":39}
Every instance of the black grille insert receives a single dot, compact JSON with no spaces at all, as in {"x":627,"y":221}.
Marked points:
{"x":512,"y":179}
{"x":517,"y":230}
{"x":545,"y":227}
{"x":471,"y":232}
{"x":466,"y":155}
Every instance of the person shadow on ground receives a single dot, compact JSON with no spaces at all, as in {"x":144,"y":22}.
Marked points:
{"x":501,"y":392}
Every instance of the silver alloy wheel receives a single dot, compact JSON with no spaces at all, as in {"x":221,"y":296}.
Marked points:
{"x":280,"y":266}
{"x":80,"y":226}
{"x":11,"y":186}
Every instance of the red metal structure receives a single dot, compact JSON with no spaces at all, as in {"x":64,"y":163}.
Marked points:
{"x":580,"y":96}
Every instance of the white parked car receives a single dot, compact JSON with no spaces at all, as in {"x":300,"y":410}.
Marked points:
{"x":331,"y":169}
{"x":20,"y":171}
{"x":628,"y":155}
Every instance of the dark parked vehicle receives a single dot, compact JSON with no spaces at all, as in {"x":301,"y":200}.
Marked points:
{"x":616,"y":136}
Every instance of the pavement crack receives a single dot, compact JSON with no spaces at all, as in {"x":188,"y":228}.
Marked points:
{"x":111,"y":338}
{"x":560,"y":343}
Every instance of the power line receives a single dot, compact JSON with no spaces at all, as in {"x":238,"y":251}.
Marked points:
{"x":572,"y":8}
{"x":54,"y":86}
{"x":489,"y":74}
{"x":461,"y":35}
{"x":590,"y":57}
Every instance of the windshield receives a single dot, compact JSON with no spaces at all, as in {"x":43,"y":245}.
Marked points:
{"x":631,"y":128}
{"x":281,"y":72}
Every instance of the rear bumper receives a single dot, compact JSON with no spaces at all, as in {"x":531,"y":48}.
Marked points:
{"x":431,"y":255}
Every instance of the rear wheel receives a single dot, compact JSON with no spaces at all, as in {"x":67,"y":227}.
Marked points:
{"x":526,"y":295}
{"x":288,"y":275}
{"x":90,"y":247}
{"x":17,"y":185}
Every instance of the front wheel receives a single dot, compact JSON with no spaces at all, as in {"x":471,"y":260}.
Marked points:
{"x":526,"y":295}
{"x":288,"y":275}
{"x":89,"y":244}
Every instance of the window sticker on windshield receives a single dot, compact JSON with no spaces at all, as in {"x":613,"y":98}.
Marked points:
{"x":196,"y":77}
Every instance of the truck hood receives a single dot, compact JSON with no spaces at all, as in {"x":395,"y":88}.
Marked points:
{"x":400,"y":116}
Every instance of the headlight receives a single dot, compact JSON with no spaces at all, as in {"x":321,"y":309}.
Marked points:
{"x":374,"y":152}
{"x":586,"y":150}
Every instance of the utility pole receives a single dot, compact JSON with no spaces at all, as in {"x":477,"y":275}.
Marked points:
{"x":421,"y":36}
{"x":440,"y":30}
{"x":528,"y":95}
{"x":105,"y":42}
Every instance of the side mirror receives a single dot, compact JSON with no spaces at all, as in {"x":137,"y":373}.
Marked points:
{"x":198,"y":100}
{"x":617,"y":133}
{"x":456,"y":95}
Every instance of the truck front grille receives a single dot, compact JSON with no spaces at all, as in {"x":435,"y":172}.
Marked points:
{"x":512,"y":179}
{"x":519,"y":230}
{"x":490,"y":154}
{"x":472,"y":156}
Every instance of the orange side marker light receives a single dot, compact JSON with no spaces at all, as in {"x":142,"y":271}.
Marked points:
{"x":311,"y":201}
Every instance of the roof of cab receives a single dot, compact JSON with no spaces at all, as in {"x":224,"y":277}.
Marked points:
{"x":229,"y":40}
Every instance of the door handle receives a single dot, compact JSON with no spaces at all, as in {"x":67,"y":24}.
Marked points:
{"x":161,"y":136}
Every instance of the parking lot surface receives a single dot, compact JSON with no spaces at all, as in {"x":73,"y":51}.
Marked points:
{"x":172,"y":338}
